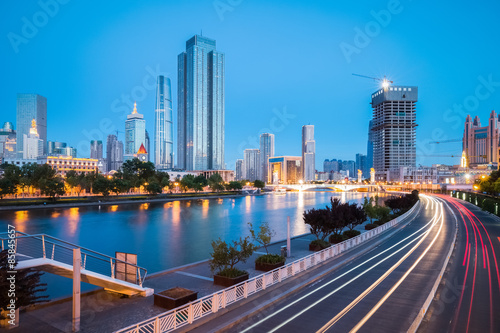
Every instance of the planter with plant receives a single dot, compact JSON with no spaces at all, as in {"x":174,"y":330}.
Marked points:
{"x":174,"y":297}
{"x":266,"y":262}
{"x":224,"y":258}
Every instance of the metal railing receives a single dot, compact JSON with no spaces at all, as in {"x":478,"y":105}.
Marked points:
{"x":186,"y":314}
{"x":48,"y":247}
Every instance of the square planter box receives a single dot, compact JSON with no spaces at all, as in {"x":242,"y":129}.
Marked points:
{"x":268,"y":267}
{"x":174,"y":297}
{"x":227,"y":281}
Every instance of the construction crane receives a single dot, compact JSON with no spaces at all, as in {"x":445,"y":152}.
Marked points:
{"x":385,"y":82}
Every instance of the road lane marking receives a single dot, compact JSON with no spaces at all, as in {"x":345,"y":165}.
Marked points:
{"x":394,"y":287}
{"x":342,"y":275}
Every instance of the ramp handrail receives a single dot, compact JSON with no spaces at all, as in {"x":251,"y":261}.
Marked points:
{"x":186,"y":314}
{"x":46,"y":246}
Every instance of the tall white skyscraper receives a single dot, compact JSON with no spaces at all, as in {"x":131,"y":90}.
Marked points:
{"x":252,"y":164}
{"x":393,"y":129}
{"x":266,"y":151}
{"x":164,"y":130}
{"x":135,"y":133}
{"x":240,"y":170}
{"x":114,"y":153}
{"x":200,"y":130}
{"x":308,"y":153}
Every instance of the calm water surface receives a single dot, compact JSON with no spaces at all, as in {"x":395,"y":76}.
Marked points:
{"x":166,"y":235}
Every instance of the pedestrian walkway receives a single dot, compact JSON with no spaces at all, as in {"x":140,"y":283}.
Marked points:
{"x":106,"y":312}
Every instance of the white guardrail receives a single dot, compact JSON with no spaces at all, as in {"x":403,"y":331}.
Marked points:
{"x":187,"y":314}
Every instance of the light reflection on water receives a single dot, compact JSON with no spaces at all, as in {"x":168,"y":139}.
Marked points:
{"x":166,"y":235}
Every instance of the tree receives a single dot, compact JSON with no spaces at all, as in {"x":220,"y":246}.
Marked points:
{"x":89,"y":180}
{"x":263,"y":237}
{"x":72,"y":179}
{"x":216,"y":182}
{"x":356,"y":217}
{"x":27,"y":176}
{"x":119,"y":186}
{"x":27,"y":285}
{"x":102,"y":185}
{"x":317,"y":219}
{"x":234,"y":185}
{"x":369,"y":209}
{"x":199,"y":182}
{"x":259,"y":184}
{"x":11,"y":172}
{"x":225,"y":256}
{"x":6,"y":187}
{"x":154,"y":187}
{"x":52,"y":187}
{"x":187,"y":182}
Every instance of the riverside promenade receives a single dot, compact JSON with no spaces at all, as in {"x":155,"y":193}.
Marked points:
{"x":107,"y":312}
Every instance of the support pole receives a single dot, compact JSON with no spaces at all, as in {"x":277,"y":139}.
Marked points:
{"x":288,"y":241}
{"x":77,"y":263}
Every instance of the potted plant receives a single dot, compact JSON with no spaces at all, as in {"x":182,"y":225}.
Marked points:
{"x":174,"y":297}
{"x":266,"y":262}
{"x":224,"y":258}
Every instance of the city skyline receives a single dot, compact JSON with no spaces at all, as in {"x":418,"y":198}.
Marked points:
{"x":97,"y":112}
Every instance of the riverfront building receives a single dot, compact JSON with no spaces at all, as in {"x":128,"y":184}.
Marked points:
{"x":164,"y":130}
{"x":308,"y":153}
{"x":240,"y":170}
{"x":200,"y":130}
{"x":60,"y":148}
{"x":135,"y":133}
{"x":7,"y":141}
{"x":252,"y":164}
{"x":29,"y":107}
{"x":114,"y":153}
{"x":96,"y":149}
{"x":266,"y":151}
{"x":480,"y":143}
{"x":285,"y":169}
{"x":393,"y":129}
{"x":32,"y":144}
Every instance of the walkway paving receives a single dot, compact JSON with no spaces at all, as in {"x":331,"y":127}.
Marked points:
{"x":106,"y":312}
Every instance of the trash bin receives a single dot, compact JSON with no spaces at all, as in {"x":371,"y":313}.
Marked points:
{"x":283,"y":251}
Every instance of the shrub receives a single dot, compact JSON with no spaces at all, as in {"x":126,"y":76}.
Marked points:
{"x":370,"y":226}
{"x":321,"y":243}
{"x":335,"y":238}
{"x":225,"y":256}
{"x":231,"y":272}
{"x":351,"y":233}
{"x":269,"y":259}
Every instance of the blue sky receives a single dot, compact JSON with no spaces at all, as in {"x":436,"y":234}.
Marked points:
{"x":285,"y":66}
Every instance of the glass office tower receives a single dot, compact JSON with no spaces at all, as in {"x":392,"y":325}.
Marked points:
{"x":164,"y":130}
{"x":266,"y":151}
{"x":200,"y":131}
{"x":135,"y":133}
{"x":29,"y":107}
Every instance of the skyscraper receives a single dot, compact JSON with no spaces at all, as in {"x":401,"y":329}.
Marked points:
{"x":96,"y":149}
{"x":135,"y":133}
{"x":164,"y":130}
{"x":394,"y":122}
{"x":240,"y":170}
{"x":147,"y":145}
{"x":114,"y":153}
{"x":266,"y":151}
{"x":252,"y":164}
{"x":29,"y":107}
{"x":369,"y":148}
{"x":361,"y":165}
{"x":481,"y":144}
{"x":32,"y":144}
{"x":308,"y":153}
{"x":200,"y":130}
{"x":7,"y":141}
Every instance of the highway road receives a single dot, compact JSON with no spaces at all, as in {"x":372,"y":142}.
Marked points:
{"x":381,"y":290}
{"x":468,"y":299}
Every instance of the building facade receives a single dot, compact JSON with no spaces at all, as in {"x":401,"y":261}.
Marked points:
{"x":240,"y":170}
{"x":361,"y":165}
{"x":60,"y":148}
{"x":369,"y":149}
{"x":135,"y":133}
{"x":285,"y":169}
{"x":63,"y":164}
{"x":227,"y":175}
{"x":266,"y":151}
{"x":417,"y":175}
{"x":308,"y":153}
{"x":29,"y":107}
{"x":393,"y":129}
{"x":252,"y":164}
{"x":96,"y":149}
{"x":164,"y":130}
{"x":200,"y":130}
{"x":481,"y":143}
{"x":114,"y":153}
{"x":7,"y":141}
{"x":32,"y":144}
